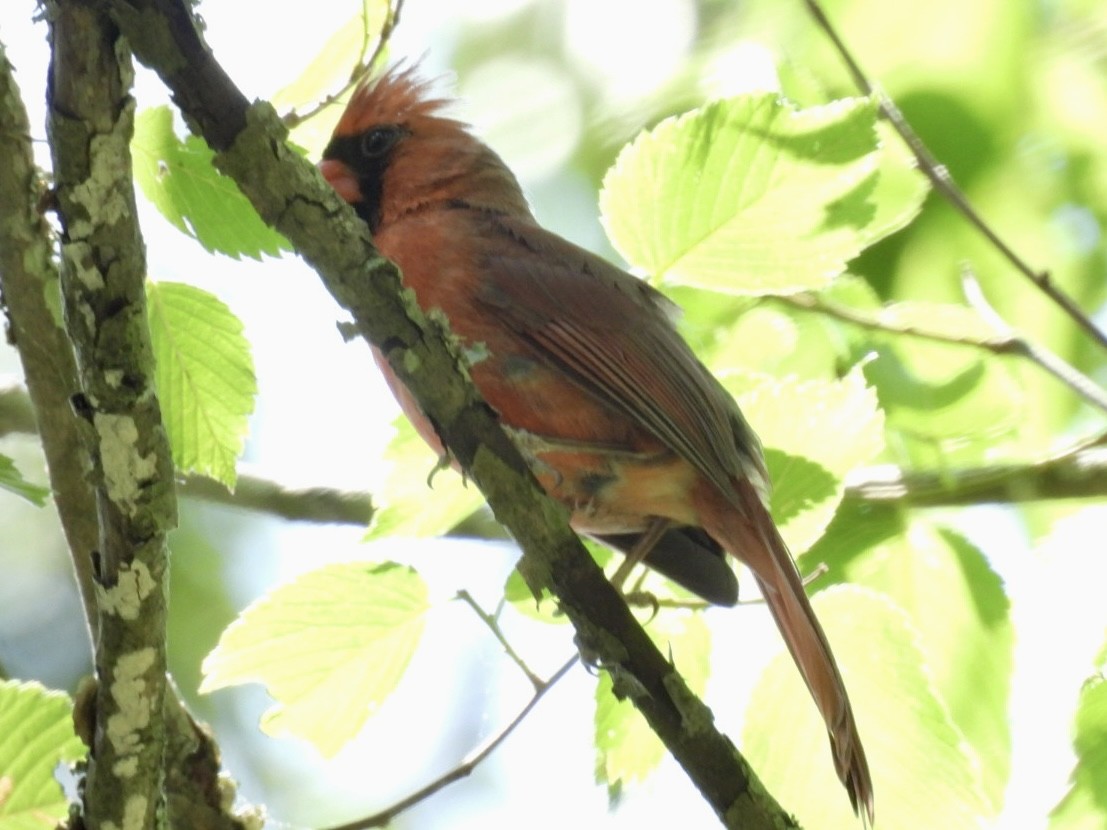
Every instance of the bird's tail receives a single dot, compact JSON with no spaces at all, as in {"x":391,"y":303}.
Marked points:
{"x":750,"y":535}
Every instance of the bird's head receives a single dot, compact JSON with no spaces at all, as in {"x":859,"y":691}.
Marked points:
{"x":394,"y":153}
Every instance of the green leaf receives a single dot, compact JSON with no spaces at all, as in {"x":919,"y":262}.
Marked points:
{"x":330,"y":647}
{"x":814,"y":433}
{"x":946,"y":403}
{"x":36,"y":734}
{"x":413,"y":481}
{"x":788,"y":343}
{"x":544,"y":609}
{"x":922,"y":775}
{"x":1084,"y":807}
{"x":899,"y":190}
{"x":949,"y":403}
{"x":752,"y":196}
{"x":12,"y":481}
{"x":205,"y":378}
{"x":959,"y":608}
{"x":179,"y":178}
{"x":627,"y":750}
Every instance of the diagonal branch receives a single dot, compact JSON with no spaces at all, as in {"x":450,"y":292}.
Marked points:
{"x":290,"y":194}
{"x":943,"y":182}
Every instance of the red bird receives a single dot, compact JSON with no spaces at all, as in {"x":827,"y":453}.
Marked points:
{"x":616,"y":416}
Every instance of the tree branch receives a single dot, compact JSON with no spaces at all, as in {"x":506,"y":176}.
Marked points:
{"x":1005,"y":342}
{"x":1080,"y":474}
{"x":943,"y":182}
{"x":289,"y":193}
{"x":91,"y":120}
{"x":140,"y":725}
{"x":29,"y":282}
{"x":29,"y":279}
{"x":309,"y":504}
{"x":1077,"y":474}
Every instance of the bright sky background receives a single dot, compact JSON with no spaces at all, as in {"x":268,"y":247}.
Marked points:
{"x":306,"y":417}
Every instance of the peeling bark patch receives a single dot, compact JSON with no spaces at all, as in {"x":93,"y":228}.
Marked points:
{"x":125,"y":469}
{"x":130,"y":693}
{"x":101,"y":195}
{"x":125,"y":768}
{"x":78,"y":256}
{"x":133,"y":584}
{"x":134,"y":815}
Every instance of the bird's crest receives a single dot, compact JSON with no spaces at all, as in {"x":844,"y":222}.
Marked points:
{"x":396,"y":97}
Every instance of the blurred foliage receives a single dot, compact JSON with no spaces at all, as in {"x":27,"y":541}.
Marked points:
{"x":1011,"y":95}
{"x":1084,"y":805}
{"x":12,"y":481}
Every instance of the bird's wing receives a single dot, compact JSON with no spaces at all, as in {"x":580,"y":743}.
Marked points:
{"x":613,"y":334}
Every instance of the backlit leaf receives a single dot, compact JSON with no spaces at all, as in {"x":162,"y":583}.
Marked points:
{"x":916,"y":754}
{"x":205,"y":378}
{"x":178,"y":177}
{"x":329,"y":647}
{"x":753,"y":196}
{"x":814,"y":432}
{"x":419,"y":497}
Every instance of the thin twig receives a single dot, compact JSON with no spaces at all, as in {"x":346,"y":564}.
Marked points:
{"x":361,"y":68}
{"x":255,"y":492}
{"x":943,"y":182}
{"x":1068,"y":374}
{"x":1077,"y":472}
{"x":490,"y":621}
{"x":1006,"y":342}
{"x":466,"y":767}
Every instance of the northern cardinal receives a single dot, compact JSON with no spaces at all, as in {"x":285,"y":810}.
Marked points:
{"x":616,"y":416}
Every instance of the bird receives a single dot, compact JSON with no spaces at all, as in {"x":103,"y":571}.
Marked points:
{"x":583,"y":364}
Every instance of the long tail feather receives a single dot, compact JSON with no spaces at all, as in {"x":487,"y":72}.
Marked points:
{"x":751,"y":536}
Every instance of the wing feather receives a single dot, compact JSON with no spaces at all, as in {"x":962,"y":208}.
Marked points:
{"x":612,"y":334}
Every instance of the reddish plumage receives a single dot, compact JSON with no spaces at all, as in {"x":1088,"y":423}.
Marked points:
{"x":621,"y":422}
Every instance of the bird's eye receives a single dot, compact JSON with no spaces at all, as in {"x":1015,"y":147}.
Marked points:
{"x":379,"y":140}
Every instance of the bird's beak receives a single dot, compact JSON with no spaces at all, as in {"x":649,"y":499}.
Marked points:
{"x":342,"y":179}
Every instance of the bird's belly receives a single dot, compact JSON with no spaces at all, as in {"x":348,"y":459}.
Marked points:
{"x":611,"y":489}
{"x":610,"y":474}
